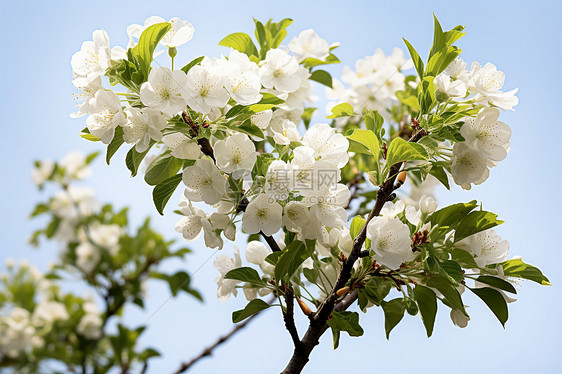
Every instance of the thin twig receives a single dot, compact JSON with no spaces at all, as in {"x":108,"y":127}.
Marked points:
{"x":209,"y":350}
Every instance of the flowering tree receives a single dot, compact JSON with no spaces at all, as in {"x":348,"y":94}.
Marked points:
{"x":325,"y":198}
{"x":44,"y":328}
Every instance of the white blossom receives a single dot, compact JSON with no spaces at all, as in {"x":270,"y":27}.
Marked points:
{"x":87,"y":256}
{"x":86,"y":97}
{"x":309,"y":44}
{"x":262,"y":119}
{"x":143,"y":125}
{"x":277,"y":180}
{"x":391,"y":241}
{"x":469,"y":166}
{"x":235,"y":153}
{"x":164,"y":90}
{"x":182,"y":146}
{"x":106,"y":114}
{"x":204,"y":182}
{"x":279,"y":71}
{"x":191,"y":223}
{"x":42,"y":172}
{"x":204,"y":89}
{"x":180,"y":33}
{"x":75,"y":166}
{"x":487,"y":247}
{"x":487,"y":135}
{"x":451,"y":88}
{"x":93,"y":58}
{"x":256,"y":252}
{"x":224,"y":264}
{"x":47,"y":312}
{"x":486,"y":82}
{"x":428,"y":204}
{"x":242,"y":79}
{"x":327,"y":144}
{"x":263,"y":215}
{"x":106,"y":236}
{"x":328,"y":204}
{"x":90,"y":326}
{"x":288,"y":134}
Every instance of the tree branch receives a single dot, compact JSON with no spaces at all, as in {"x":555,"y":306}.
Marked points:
{"x":289,"y":317}
{"x":317,"y":325}
{"x":209,"y":350}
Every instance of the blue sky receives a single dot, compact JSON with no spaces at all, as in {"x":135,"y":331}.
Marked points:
{"x":521,"y":38}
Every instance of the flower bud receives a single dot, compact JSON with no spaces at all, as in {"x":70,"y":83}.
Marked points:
{"x":305,"y":309}
{"x":343,"y":291}
{"x":428,"y":204}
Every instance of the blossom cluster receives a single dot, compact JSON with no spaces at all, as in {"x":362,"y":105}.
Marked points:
{"x":236,"y":133}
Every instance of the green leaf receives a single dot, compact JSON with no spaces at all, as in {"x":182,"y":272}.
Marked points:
{"x":463,"y":258}
{"x":134,"y":159}
{"x":439,"y":172}
{"x":441,"y":59}
{"x":162,"y":168}
{"x":194,"y":62}
{"x":450,"y":216}
{"x":253,"y":307}
{"x":496,"y":283}
{"x":311,"y":62}
{"x":427,"y":303}
{"x":438,"y":37}
{"x":163,"y":191}
{"x":342,"y":110}
{"x":143,"y":52}
{"x":322,"y":77}
{"x":241,"y":42}
{"x":476,"y":222}
{"x":364,"y":141}
{"x":418,"y":63}
{"x":250,"y":129}
{"x":376,"y":289}
{"x":245,"y":274}
{"x":356,"y":226}
{"x":453,"y":270}
{"x":346,"y":321}
{"x":517,"y":268}
{"x":116,"y":142}
{"x":401,"y":150}
{"x":448,"y":290}
{"x":393,"y":313}
{"x":291,"y":258}
{"x":495,"y":302}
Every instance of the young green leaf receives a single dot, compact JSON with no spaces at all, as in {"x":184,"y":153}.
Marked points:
{"x":393,"y":313}
{"x":143,"y":52}
{"x":496,"y":283}
{"x":162,"y":168}
{"x":245,"y":274}
{"x":241,"y":42}
{"x":495,"y":302}
{"x":517,"y":268}
{"x":342,"y":110}
{"x":476,"y":222}
{"x":322,"y":77}
{"x":427,"y":303}
{"x":346,"y":321}
{"x":163,"y":191}
{"x":401,"y":150}
{"x":290,"y":259}
{"x":364,"y":141}
{"x":194,"y":62}
{"x":114,"y":145}
{"x":418,"y":63}
{"x":253,"y":307}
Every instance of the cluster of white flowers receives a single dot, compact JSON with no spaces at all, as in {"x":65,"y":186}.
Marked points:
{"x":486,"y":143}
{"x":373,"y":84}
{"x":486,"y":139}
